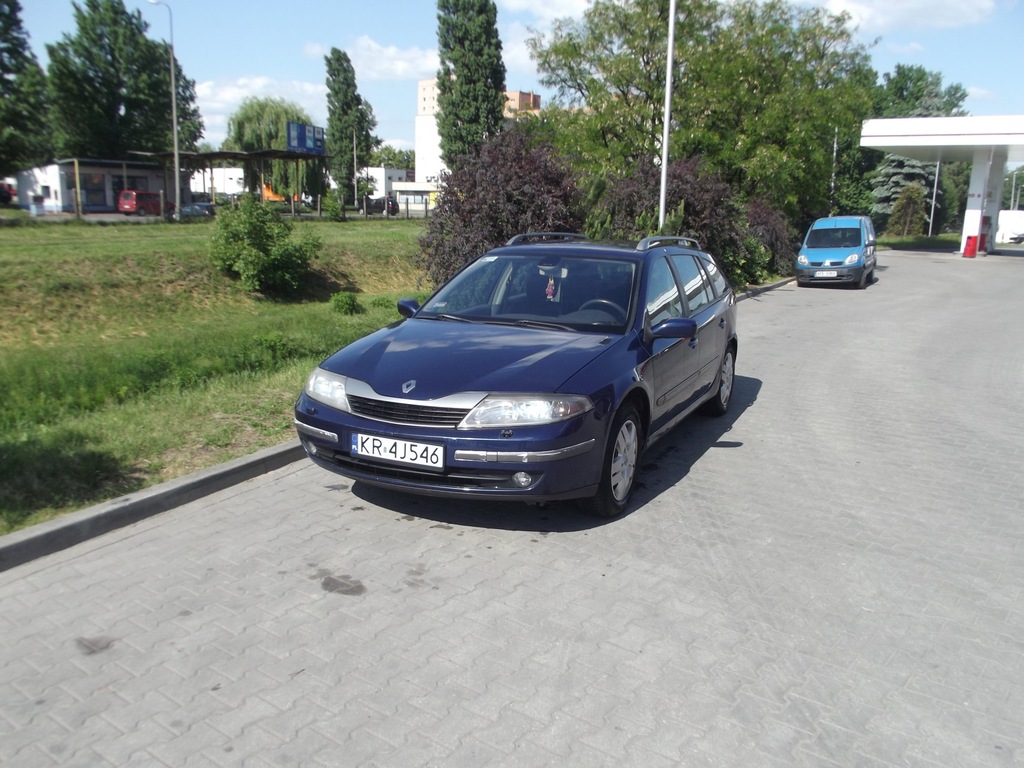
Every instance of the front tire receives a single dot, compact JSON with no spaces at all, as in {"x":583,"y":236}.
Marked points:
{"x":620,"y":464}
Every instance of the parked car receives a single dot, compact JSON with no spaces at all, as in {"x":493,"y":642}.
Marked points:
{"x":133,"y":202}
{"x":838,"y":249}
{"x":197,"y":210}
{"x":379,"y":205}
{"x":539,"y":372}
{"x":6,"y":193}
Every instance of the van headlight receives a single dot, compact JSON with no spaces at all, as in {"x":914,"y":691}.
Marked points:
{"x":328,"y":388}
{"x":524,"y":410}
{"x":853,"y":258}
{"x":802,"y":260}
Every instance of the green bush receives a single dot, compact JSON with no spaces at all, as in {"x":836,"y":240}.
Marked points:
{"x":333,"y":208}
{"x":346,"y":303}
{"x":254,"y":242}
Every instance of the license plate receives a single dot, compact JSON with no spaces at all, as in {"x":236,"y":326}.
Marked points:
{"x":400,"y":451}
{"x":826,"y":273}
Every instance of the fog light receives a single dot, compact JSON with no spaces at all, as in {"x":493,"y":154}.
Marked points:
{"x":522,"y":479}
{"x":310,"y":448}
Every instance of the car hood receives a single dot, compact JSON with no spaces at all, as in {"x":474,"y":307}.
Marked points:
{"x":445,"y":357}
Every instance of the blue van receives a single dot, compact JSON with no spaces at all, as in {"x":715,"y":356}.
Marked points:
{"x":839,"y":249}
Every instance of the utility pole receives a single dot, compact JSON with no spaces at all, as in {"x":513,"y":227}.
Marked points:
{"x":174,"y":116}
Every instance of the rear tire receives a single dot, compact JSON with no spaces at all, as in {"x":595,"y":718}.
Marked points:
{"x":619,"y":466}
{"x":719,"y":404}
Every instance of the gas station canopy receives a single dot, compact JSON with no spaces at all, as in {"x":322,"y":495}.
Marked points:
{"x":988,"y":143}
{"x":946,"y":139}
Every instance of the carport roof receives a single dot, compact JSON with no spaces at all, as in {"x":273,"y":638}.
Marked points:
{"x":202,"y":158}
{"x":946,"y":139}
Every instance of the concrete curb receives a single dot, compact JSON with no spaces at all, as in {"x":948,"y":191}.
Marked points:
{"x":74,"y":528}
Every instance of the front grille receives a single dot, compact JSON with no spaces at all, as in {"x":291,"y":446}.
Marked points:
{"x":406,"y":413}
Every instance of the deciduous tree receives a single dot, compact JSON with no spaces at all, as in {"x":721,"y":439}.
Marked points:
{"x":759,"y":89}
{"x":508,"y":187}
{"x":24,"y":133}
{"x":263,"y":124}
{"x":109,"y":87}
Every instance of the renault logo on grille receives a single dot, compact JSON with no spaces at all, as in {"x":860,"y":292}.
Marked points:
{"x":409,"y":386}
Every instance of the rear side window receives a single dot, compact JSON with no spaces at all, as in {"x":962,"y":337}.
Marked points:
{"x":718,"y":281}
{"x":695,"y":283}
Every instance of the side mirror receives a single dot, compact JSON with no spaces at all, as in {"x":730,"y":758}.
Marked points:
{"x":675,"y":328}
{"x":408,"y":307}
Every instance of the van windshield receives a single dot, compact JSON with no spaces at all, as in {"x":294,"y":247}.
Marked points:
{"x":839,"y":237}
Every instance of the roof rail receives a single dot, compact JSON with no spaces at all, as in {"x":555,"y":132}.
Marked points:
{"x":531,"y":236}
{"x":651,"y":242}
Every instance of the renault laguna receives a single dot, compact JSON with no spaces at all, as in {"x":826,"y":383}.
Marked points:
{"x":539,"y":372}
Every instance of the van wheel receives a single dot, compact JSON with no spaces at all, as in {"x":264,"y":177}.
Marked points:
{"x":140,"y":212}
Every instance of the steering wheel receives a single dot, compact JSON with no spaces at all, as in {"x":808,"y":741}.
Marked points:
{"x":606,"y":304}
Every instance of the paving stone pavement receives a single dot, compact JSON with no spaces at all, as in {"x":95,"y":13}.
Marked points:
{"x":831,"y":575}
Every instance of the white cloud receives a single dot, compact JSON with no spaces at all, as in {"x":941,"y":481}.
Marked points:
{"x":314,"y":50}
{"x":974,"y":93}
{"x":545,"y":11}
{"x":373,"y":61}
{"x":515,"y":54}
{"x":877,"y":16}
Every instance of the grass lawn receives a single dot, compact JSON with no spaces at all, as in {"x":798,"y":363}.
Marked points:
{"x":128,"y":359}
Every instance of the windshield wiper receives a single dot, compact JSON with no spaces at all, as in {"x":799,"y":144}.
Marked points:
{"x":456,"y":318}
{"x":542,"y":324}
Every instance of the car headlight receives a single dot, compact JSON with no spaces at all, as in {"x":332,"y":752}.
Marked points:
{"x":853,"y":258}
{"x":328,"y":388}
{"x":802,"y":260}
{"x":523,"y":410}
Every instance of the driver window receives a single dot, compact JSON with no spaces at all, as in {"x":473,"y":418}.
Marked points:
{"x":662,"y":297}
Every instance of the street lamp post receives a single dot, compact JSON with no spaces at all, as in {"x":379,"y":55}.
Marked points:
{"x":174,"y":115}
{"x":667,"y":113}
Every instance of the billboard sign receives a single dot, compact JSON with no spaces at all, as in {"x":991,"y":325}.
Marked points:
{"x":308,"y":139}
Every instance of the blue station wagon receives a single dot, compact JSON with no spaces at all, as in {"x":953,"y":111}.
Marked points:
{"x":838,"y":249}
{"x":538,"y":373}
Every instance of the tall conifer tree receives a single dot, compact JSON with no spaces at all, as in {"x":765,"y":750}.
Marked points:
{"x":471,"y":78}
{"x":348,"y":118}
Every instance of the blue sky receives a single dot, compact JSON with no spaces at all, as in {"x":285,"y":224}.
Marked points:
{"x":235,"y":48}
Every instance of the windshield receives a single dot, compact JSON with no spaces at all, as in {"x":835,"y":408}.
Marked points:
{"x":540,"y":288}
{"x":838,"y":237}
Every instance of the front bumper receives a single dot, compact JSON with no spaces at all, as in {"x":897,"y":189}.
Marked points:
{"x":553,"y":462}
{"x":808,"y":275}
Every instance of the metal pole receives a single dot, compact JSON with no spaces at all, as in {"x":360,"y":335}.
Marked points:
{"x":935,"y":193}
{"x":174,"y":115}
{"x":668,"y":107}
{"x":832,"y":188}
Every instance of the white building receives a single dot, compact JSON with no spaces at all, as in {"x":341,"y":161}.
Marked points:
{"x":222,"y":181}
{"x":98,"y":183}
{"x":429,"y":165}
